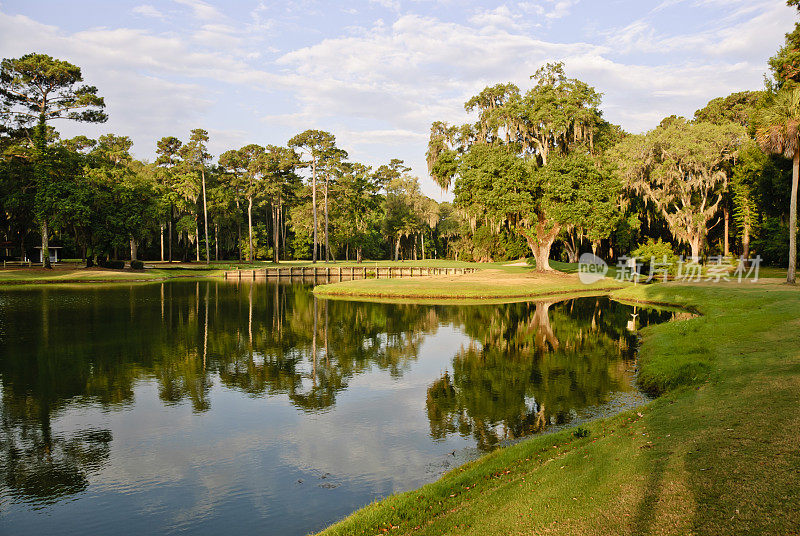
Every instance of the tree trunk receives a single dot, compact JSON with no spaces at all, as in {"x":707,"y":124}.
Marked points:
{"x":422,"y":239}
{"x":250,"y":229}
{"x":726,"y":218}
{"x":571,"y":248}
{"x":790,"y":274}
{"x":397,"y":249}
{"x":169,"y":230}
{"x":695,"y":244}
{"x":239,"y":238}
{"x":545,"y":338}
{"x":275,"y":234}
{"x":541,"y":252}
{"x":541,"y":243}
{"x":327,"y":244}
{"x":161,"y":235}
{"x":314,"y":205}
{"x":205,"y":217}
{"x":216,"y":241}
{"x":283,"y":226}
{"x":41,"y":177}
{"x":359,"y":255}
{"x":746,"y":240}
{"x":197,"y":238}
{"x":133,"y":249}
{"x":45,"y":246}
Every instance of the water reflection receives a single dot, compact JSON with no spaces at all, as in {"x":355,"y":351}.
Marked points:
{"x":531,"y":365}
{"x":457,"y":376}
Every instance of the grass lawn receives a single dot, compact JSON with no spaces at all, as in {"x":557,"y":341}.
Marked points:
{"x":487,"y":283}
{"x":717,"y":453}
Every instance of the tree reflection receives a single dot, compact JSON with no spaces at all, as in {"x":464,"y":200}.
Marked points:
{"x":531,"y":365}
{"x":39,"y":465}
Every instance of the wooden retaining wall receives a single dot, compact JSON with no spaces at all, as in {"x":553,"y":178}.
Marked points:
{"x":341,"y":273}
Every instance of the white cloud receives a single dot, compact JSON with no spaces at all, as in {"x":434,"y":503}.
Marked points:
{"x":388,"y":4}
{"x":549,"y":9}
{"x":561,"y":9}
{"x":146,"y":10}
{"x":201,"y":10}
{"x":379,"y":84}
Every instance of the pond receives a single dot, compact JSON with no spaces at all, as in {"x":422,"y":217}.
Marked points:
{"x":200,"y":407}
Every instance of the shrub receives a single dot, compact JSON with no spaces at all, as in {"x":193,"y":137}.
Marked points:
{"x":115,"y":265}
{"x":656,"y":251}
{"x":137,"y":265}
{"x":581,"y":432}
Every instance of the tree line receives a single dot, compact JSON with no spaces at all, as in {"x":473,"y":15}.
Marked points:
{"x":540,"y":173}
{"x":250,"y":204}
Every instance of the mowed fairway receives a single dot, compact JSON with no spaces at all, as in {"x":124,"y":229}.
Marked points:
{"x":487,"y":283}
{"x":718,"y":452}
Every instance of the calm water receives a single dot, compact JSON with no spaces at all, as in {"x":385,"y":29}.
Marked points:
{"x":209,"y":407}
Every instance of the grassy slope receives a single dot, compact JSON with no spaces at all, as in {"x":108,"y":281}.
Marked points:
{"x":494,"y":283}
{"x":717,"y":453}
{"x":78,"y":275}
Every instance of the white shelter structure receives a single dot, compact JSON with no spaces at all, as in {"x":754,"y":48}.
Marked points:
{"x":53,"y":253}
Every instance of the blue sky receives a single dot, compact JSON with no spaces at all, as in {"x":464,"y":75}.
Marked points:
{"x":376,"y":73}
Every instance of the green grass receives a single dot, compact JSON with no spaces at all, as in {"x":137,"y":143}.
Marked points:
{"x":488,"y":283}
{"x":717,"y":453}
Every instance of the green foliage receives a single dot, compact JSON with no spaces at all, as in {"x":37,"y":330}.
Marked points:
{"x":38,"y":88}
{"x":626,"y":233}
{"x":785,"y":64}
{"x":737,"y":108}
{"x":656,"y":251}
{"x":530,"y":163}
{"x":484,"y":245}
{"x":680,"y":168}
{"x":113,"y":265}
{"x":261,"y":249}
{"x":579,"y":194}
{"x":581,"y":432}
{"x":748,"y":173}
{"x":34,"y":90}
{"x":771,"y":242}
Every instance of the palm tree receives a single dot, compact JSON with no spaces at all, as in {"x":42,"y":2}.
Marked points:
{"x":778,"y":132}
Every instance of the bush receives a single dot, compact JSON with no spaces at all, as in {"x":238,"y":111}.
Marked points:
{"x":137,"y":265}
{"x":656,"y":251}
{"x":115,"y":265}
{"x":581,"y":432}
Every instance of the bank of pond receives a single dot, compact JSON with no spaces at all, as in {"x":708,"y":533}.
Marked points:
{"x":209,"y":406}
